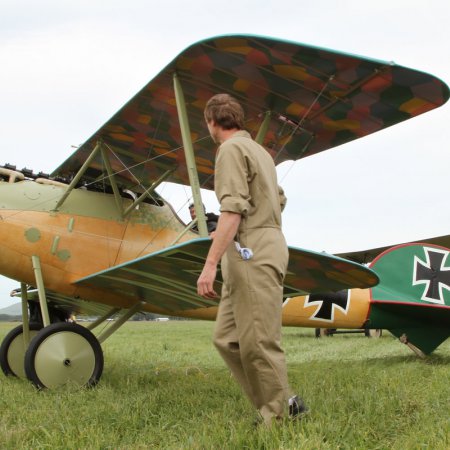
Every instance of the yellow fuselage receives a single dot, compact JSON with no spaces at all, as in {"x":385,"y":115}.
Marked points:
{"x":88,"y":235}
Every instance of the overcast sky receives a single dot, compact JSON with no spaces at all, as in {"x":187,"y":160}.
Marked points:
{"x":68,"y":66}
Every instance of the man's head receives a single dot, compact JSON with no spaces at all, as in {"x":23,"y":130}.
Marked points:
{"x":192,"y":210}
{"x":223,"y":113}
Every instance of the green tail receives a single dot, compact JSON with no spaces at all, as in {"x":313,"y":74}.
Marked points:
{"x":412,"y":300}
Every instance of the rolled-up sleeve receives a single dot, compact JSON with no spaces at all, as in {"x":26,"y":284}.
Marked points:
{"x":231,"y":180}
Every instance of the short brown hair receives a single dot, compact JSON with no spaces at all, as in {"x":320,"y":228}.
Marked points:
{"x":225,"y":111}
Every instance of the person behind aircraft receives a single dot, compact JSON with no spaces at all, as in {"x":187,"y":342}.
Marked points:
{"x":211,"y":219}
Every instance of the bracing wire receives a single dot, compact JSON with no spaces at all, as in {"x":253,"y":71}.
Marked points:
{"x":303,"y":118}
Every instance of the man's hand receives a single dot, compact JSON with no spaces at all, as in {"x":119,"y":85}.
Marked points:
{"x":205,"y":283}
{"x":227,"y":227}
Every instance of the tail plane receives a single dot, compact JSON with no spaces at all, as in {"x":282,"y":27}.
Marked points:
{"x":412,"y":299}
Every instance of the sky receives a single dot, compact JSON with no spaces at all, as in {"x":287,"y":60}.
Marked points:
{"x":68,"y":66}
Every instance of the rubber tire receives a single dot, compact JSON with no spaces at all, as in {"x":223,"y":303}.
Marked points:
{"x":49,"y":336}
{"x":9,"y":340}
{"x":373,"y":332}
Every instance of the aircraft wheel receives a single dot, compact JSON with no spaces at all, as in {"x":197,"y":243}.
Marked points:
{"x":12,"y":350}
{"x":373,"y":332}
{"x":64,"y":353}
{"x":322,"y":332}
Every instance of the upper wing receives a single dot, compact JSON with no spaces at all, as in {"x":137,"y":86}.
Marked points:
{"x":168,"y":278}
{"x":318,"y":99}
{"x":366,"y":256}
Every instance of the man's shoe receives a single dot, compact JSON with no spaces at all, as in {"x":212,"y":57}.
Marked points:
{"x":296,"y":407}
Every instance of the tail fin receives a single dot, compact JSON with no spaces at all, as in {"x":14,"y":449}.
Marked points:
{"x":412,"y":299}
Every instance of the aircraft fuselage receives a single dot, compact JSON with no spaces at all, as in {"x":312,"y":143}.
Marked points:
{"x":88,"y":235}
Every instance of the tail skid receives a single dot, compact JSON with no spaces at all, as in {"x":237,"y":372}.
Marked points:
{"x":421,"y":341}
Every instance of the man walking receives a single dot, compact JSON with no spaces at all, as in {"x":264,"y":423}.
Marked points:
{"x":253,"y":253}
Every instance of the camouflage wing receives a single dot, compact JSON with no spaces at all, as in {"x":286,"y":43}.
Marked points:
{"x":168,"y":278}
{"x":366,"y":256}
{"x":315,"y":273}
{"x":317,"y":99}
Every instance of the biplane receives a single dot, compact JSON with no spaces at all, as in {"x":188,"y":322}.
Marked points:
{"x":412,"y":299}
{"x":95,"y":236}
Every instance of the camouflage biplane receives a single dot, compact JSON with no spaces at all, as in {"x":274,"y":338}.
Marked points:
{"x":96,"y":237}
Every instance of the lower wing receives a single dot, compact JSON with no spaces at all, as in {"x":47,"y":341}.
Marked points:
{"x":168,"y":278}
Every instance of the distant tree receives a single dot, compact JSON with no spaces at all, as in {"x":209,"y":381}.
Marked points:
{"x":145,"y":316}
{"x":8,"y":318}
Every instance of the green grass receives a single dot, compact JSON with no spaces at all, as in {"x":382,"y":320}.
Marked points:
{"x":164,"y":386}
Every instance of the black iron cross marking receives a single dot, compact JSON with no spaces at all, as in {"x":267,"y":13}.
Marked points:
{"x":433,"y":274}
{"x":327,"y":303}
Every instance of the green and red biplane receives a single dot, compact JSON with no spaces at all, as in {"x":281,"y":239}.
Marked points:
{"x":412,"y":299}
{"x":95,"y":236}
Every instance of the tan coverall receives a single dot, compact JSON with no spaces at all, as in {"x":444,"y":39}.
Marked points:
{"x":248,"y":326}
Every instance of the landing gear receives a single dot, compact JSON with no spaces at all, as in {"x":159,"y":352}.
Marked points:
{"x":322,"y":332}
{"x":373,"y":332}
{"x":368,"y":332}
{"x":64,"y":353}
{"x":55,"y":351}
{"x":13,"y":348}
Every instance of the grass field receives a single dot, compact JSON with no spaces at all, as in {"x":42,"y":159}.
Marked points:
{"x":164,"y":386}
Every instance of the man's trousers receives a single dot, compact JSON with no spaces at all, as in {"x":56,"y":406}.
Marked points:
{"x":248,"y":324}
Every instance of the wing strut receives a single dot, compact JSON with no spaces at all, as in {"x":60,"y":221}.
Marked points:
{"x":100,"y":147}
{"x":148,"y":191}
{"x":112,"y":180}
{"x":36,"y":263}
{"x":119,"y":322}
{"x":25,"y":319}
{"x":190,"y":157}
{"x":263,"y":128}
{"x":101,"y":319}
{"x":78,"y":176}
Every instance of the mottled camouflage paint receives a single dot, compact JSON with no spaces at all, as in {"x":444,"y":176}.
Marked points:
{"x":168,"y":278}
{"x":32,"y":234}
{"x":318,"y":98}
{"x":336,"y":97}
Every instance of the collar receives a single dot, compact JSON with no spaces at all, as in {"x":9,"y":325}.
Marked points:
{"x":242,"y":133}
